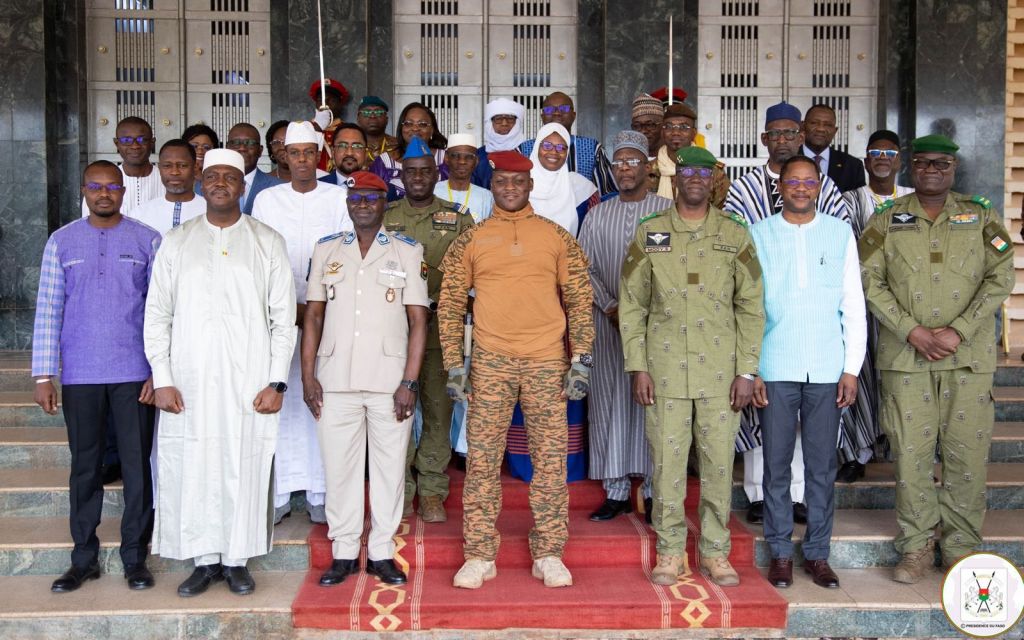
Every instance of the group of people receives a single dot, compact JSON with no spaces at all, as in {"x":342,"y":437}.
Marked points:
{"x":379,"y":302}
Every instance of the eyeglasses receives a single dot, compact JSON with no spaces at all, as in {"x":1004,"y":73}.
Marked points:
{"x":136,"y":139}
{"x":109,"y":188}
{"x":355,"y":146}
{"x":631,"y":162}
{"x":504,"y":119}
{"x":689,"y":172}
{"x":940,"y":164}
{"x":373,"y":113}
{"x":302,"y":153}
{"x":562,"y":108}
{"x":416,"y":124}
{"x":883,"y":153}
{"x":775,"y":134}
{"x":276,"y":143}
{"x":645,"y":126}
{"x":368,"y":198}
{"x":554,"y":146}
{"x":201,"y":147}
{"x":243,"y":142}
{"x":458,"y":156}
{"x":809,"y":183}
{"x":676,"y":126}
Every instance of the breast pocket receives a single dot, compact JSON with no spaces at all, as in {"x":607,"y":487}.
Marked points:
{"x":393,"y":285}
{"x":134,"y":271}
{"x":74,"y":270}
{"x":330,"y":283}
{"x":829,"y":268}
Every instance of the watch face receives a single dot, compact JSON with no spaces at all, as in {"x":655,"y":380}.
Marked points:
{"x":587,"y":360}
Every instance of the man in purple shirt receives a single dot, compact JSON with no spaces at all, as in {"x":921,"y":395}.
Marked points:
{"x":88,"y":329}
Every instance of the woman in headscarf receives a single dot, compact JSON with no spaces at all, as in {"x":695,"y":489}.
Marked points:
{"x":418,"y":120}
{"x":563,"y":197}
{"x":503,"y":131}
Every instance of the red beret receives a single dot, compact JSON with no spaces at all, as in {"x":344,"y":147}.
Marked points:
{"x":314,"y":90}
{"x":366,"y":180}
{"x":678,"y":95}
{"x":509,"y":161}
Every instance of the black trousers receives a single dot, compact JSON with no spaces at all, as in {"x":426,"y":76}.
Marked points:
{"x":86,"y":411}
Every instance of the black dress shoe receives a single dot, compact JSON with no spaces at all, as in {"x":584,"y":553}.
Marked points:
{"x":340,"y":569}
{"x":200,"y":580}
{"x":386,"y":570}
{"x":799,"y":513}
{"x":239,"y":580}
{"x":138,"y":576}
{"x":649,"y":510}
{"x":74,"y":577}
{"x":821,"y":573}
{"x":780,"y":572}
{"x":755,"y":512}
{"x":110,"y":473}
{"x":610,"y":509}
{"x":850,"y":472}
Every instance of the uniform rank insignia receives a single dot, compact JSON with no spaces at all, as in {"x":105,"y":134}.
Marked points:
{"x":738,"y":219}
{"x":330,"y":237}
{"x":648,"y":217}
{"x":446,"y":220}
{"x":332,"y":267}
{"x":885,"y":205}
{"x":349,"y":237}
{"x":963,"y":218}
{"x":405,"y":239}
{"x":382,"y":238}
{"x":423,"y":270}
{"x":658,"y":242}
{"x":983,"y":201}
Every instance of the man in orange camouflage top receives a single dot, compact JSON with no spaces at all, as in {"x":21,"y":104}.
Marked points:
{"x":529,"y":275}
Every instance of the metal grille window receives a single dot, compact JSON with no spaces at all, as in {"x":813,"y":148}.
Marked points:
{"x":757,"y":52}
{"x":441,"y":59}
{"x":176,"y":63}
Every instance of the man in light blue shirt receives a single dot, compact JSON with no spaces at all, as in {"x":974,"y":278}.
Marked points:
{"x":814,"y":341}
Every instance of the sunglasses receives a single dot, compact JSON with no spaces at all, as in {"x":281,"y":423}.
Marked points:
{"x":373,"y":113}
{"x":689,"y":172}
{"x":788,"y":134}
{"x":883,"y":153}
{"x":809,"y":183}
{"x":922,"y":164}
{"x":562,"y":108}
{"x":554,"y":146}
{"x":201,"y":147}
{"x":135,"y":139}
{"x":368,"y":198}
{"x":109,"y":188}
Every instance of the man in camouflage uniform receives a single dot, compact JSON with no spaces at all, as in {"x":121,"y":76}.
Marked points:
{"x":532,"y":282}
{"x":936,"y":266}
{"x":692,"y":320}
{"x":434,"y":223}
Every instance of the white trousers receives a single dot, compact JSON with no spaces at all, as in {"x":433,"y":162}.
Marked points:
{"x":348,"y":422}
{"x":753,"y":474}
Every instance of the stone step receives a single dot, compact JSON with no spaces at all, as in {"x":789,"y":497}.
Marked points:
{"x":1010,"y":369}
{"x":1009,"y":403}
{"x":42,"y":546}
{"x":106,"y":608}
{"x":18,"y":409}
{"x":862,"y":538}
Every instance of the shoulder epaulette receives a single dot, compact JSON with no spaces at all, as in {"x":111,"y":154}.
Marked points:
{"x":330,"y":237}
{"x":885,"y":205}
{"x":737,"y":218}
{"x":404,"y":238}
{"x":393,"y":204}
{"x":649,"y":216}
{"x":983,"y":201}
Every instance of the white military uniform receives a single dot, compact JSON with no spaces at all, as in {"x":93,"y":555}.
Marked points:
{"x":302,"y":218}
{"x":160,"y":213}
{"x":360,"y":363}
{"x":220,"y":326}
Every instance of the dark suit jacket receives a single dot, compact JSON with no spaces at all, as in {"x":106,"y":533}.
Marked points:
{"x":330,"y":178}
{"x":845,"y":170}
{"x":260,"y":181}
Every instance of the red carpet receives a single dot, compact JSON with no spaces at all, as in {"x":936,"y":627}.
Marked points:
{"x":610,"y":563}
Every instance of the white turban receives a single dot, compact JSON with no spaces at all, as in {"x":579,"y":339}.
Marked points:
{"x":303,"y":133}
{"x":511,"y":140}
{"x":227,"y":157}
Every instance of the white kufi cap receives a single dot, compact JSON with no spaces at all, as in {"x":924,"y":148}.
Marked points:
{"x":227,"y":157}
{"x":462,"y":140}
{"x":303,"y":133}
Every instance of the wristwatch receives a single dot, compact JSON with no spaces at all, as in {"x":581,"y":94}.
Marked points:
{"x":279,"y":387}
{"x":585,"y":359}
{"x":411,"y":385}
{"x":748,"y":376}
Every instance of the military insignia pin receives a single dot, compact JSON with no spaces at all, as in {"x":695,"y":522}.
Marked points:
{"x":390,"y":295}
{"x":657,"y":242}
{"x":332,"y":267}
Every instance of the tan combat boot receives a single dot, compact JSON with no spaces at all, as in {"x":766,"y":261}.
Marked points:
{"x":668,"y":570}
{"x":432,"y":509}
{"x":720,"y":571}
{"x":473,"y":574}
{"x":914,"y":564}
{"x":552,"y":571}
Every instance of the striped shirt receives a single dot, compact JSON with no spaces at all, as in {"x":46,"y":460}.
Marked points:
{"x":755,"y":196}
{"x":92,"y":297}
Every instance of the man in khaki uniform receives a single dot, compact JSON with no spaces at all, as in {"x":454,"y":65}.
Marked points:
{"x":936,"y":267}
{"x":692,"y":320}
{"x":434,"y":223}
{"x":362,"y":345}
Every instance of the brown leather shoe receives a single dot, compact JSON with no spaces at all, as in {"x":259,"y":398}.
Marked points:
{"x":780,"y":572}
{"x":821,"y":573}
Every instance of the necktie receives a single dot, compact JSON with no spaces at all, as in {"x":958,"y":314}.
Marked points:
{"x":817,"y":161}
{"x":177,"y":215}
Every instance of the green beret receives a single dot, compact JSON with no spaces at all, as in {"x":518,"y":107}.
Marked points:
{"x":694,"y":156}
{"x":934,"y":143}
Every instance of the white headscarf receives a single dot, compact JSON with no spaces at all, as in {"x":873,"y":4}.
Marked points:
{"x":511,"y":140}
{"x":556,"y":194}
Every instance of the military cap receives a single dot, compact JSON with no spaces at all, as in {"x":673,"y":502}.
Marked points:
{"x":509,"y":161}
{"x":694,"y":156}
{"x":373,"y":101}
{"x":366,"y":180}
{"x":680,"y":110}
{"x":332,"y":85}
{"x":417,"y":149}
{"x":934,"y":143}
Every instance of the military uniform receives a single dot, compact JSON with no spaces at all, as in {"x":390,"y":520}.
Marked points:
{"x":435,"y":227}
{"x":691,"y":315}
{"x":365,"y":321}
{"x":954,"y":271}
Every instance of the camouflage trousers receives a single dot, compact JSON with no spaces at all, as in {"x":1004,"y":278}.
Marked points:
{"x":671,"y":425}
{"x":498,"y":381}
{"x":954,"y":409}
{"x":434,"y":452}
